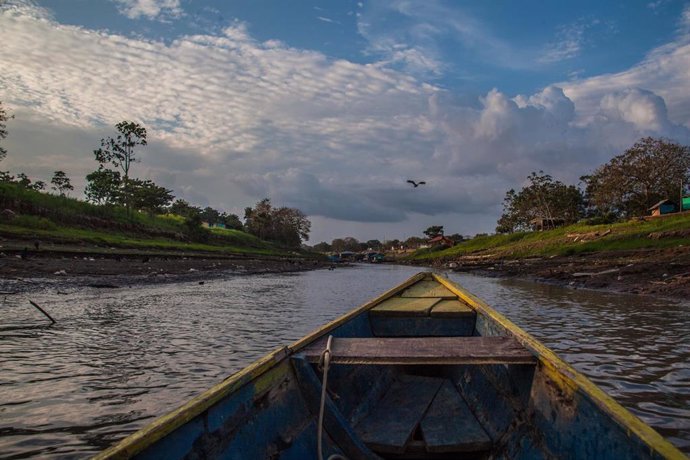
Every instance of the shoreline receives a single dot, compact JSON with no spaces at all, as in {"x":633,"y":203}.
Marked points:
{"x":96,"y":269}
{"x":657,"y":272}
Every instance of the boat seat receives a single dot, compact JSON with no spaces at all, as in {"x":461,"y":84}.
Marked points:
{"x":422,"y":350}
{"x":422,"y":416}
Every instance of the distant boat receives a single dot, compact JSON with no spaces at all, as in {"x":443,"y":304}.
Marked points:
{"x":425,"y":370}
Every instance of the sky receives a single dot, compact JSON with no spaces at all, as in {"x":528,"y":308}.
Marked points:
{"x":332,"y":106}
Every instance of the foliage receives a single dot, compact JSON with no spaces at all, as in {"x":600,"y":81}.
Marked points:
{"x":147,"y":196}
{"x":61,"y":183}
{"x":322,"y":247}
{"x":183,"y":208}
{"x":434,"y":231}
{"x":414,"y":242}
{"x":3,"y":128}
{"x":544,"y":198}
{"x":120,"y":152}
{"x":194,"y":229}
{"x":348,"y":243}
{"x":103,"y":186}
{"x":24,"y":182}
{"x":648,"y":172}
{"x":288,"y":226}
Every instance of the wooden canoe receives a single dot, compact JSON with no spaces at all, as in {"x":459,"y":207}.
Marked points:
{"x":425,"y":370}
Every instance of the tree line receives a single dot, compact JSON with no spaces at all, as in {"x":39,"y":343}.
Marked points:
{"x":650,"y":171}
{"x":112,"y":184}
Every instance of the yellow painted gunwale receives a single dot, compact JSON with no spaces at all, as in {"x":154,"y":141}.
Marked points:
{"x":564,"y":375}
{"x":557,"y":369}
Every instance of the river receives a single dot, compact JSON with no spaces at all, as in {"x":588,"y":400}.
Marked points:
{"x":117,"y":358}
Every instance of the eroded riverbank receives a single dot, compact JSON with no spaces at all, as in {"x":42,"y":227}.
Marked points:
{"x":659,"y":272}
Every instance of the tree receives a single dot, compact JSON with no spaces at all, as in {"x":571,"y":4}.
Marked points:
{"x":231,"y":221}
{"x":374,"y":245}
{"x":184,"y":209}
{"x":120,"y":151}
{"x":414,"y":242}
{"x":24,"y":182}
{"x":61,"y":183}
{"x":648,"y":172}
{"x":147,"y":196}
{"x":434,"y":231}
{"x":103,"y":186}
{"x":210,"y":215}
{"x":544,"y":198}
{"x":322,"y":247}
{"x":288,"y":226}
{"x":3,"y":128}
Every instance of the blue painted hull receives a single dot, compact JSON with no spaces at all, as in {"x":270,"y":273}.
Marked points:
{"x":270,"y":410}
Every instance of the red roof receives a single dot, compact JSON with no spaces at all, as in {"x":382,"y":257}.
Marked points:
{"x":442,"y":239}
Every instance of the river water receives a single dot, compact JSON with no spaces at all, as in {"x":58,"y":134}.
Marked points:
{"x":117,"y":358}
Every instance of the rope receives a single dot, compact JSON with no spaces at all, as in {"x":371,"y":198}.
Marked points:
{"x":325,"y":362}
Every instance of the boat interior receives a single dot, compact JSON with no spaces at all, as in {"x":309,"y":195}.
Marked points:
{"x":422,"y":372}
{"x":405,"y":385}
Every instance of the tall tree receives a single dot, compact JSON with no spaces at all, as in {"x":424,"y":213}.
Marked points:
{"x":543,"y":198}
{"x":61,"y":183}
{"x":648,"y":172}
{"x":120,"y":152}
{"x":3,"y":128}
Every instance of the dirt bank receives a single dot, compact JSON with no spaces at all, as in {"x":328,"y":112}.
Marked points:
{"x":90,"y":267}
{"x":663,"y":272}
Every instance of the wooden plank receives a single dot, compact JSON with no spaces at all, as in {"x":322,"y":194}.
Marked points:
{"x":393,"y":421}
{"x":423,"y":350}
{"x":450,"y":426}
{"x":334,"y":423}
{"x":400,"y":306}
{"x":429,"y":288}
{"x":451,"y":309}
{"x":421,"y":326}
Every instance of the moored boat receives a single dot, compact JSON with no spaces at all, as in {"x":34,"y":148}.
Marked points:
{"x":426,"y":370}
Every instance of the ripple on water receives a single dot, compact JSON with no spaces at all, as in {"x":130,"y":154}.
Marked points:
{"x":118,"y":358}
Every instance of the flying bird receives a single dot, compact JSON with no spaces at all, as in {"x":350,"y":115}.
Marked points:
{"x":416,"y":184}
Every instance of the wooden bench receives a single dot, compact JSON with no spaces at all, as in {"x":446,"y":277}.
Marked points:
{"x":423,"y":350}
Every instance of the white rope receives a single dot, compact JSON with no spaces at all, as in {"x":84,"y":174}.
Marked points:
{"x":325,"y":363}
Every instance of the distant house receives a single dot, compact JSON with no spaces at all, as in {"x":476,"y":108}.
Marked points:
{"x":544,"y":223}
{"x":686,"y":203}
{"x":663,"y":207}
{"x":216,"y":225}
{"x":441,"y":240}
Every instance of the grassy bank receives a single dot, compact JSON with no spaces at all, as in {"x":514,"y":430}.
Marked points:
{"x":575,"y":239}
{"x":62,"y":221}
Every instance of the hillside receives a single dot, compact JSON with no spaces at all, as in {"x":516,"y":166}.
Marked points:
{"x":640,"y":256}
{"x":39,"y":226}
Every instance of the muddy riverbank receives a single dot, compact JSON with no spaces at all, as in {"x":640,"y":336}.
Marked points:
{"x":19,"y":270}
{"x":662,"y":272}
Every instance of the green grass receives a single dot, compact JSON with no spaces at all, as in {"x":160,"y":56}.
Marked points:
{"x":630,"y":235}
{"x":65,"y":220}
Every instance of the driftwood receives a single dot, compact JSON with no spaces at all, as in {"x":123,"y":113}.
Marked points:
{"x":42,"y":311}
{"x":605,"y":272}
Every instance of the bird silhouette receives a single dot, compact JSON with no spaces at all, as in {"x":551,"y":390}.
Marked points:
{"x":416,"y":184}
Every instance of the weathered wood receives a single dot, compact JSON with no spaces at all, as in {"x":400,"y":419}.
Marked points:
{"x":427,"y":288}
{"x":393,"y":421}
{"x":42,"y":311}
{"x":451,"y":309}
{"x":402,"y":306}
{"x":423,"y":350}
{"x":449,"y":425}
{"x":334,"y":423}
{"x":421,"y":326}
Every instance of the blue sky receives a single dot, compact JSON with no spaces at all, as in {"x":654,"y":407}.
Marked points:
{"x":331,"y":106}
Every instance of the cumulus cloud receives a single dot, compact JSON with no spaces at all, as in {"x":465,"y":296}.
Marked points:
{"x":232,"y":120}
{"x":150,"y":9}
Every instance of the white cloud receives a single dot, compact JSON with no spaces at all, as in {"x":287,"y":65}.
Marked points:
{"x":150,"y":9}
{"x":232,"y":120}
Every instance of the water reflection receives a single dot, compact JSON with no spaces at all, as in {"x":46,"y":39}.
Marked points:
{"x":119,"y":357}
